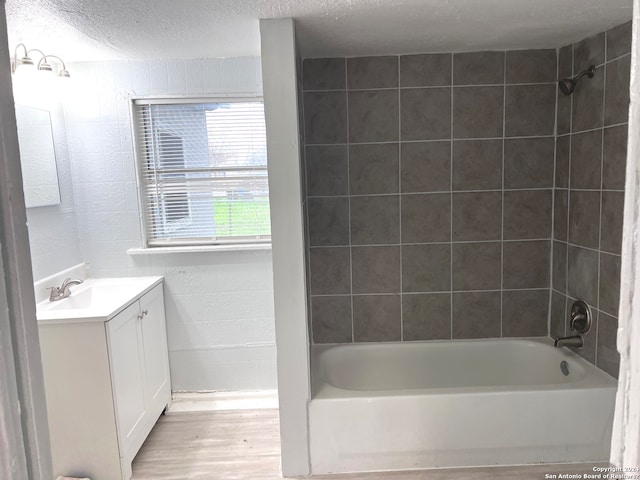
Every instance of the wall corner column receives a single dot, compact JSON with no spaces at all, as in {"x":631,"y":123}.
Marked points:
{"x":287,"y":233}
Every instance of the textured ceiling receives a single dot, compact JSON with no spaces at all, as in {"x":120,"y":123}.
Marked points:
{"x":99,"y":29}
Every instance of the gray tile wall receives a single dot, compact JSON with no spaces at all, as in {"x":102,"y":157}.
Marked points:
{"x":430,"y":192}
{"x":589,"y":189}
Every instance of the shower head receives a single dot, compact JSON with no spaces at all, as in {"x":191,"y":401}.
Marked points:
{"x":568,"y":85}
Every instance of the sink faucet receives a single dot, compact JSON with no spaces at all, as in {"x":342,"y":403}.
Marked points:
{"x":571,"y":341}
{"x":58,"y":293}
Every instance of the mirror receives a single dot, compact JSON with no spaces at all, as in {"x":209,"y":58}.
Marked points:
{"x":37,"y":157}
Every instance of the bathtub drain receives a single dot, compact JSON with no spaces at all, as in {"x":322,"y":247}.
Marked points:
{"x":564,"y":368}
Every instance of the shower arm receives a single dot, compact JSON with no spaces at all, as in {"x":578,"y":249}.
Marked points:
{"x":591,"y":71}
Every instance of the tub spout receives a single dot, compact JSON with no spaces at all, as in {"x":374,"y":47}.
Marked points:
{"x":572,"y":341}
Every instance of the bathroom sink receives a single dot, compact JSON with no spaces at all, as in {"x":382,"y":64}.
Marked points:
{"x":95,"y":299}
{"x":92,"y":297}
{"x":76,"y":301}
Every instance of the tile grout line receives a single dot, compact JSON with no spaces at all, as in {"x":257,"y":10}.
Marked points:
{"x":504,"y":126}
{"x":437,"y":292}
{"x":470,"y":139}
{"x":441,"y":340}
{"x":496,"y":240}
{"x":610,"y":60}
{"x":451,"y":206}
{"x":305,"y":229}
{"x":604,"y":106}
{"x":568,"y":214}
{"x":308,"y":249}
{"x":593,"y":309}
{"x":400,"y":197}
{"x":346,"y":85}
{"x":471,"y":85}
{"x":443,"y":140}
{"x":591,"y":130}
{"x":445,"y":192}
{"x":433,"y":87}
{"x":462,"y":242}
{"x":435,"y":192}
{"x":594,"y":190}
{"x":553,"y":203}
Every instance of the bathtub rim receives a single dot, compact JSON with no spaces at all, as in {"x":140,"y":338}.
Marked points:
{"x":594,"y":377}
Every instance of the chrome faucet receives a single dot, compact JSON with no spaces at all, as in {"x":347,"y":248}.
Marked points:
{"x":580,"y":323}
{"x":58,"y":293}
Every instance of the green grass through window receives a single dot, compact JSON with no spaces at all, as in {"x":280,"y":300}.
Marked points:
{"x":241,"y":217}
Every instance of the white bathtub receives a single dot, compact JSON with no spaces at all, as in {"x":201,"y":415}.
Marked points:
{"x":397,"y":406}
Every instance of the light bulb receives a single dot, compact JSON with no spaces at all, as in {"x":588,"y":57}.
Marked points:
{"x":24,"y":65}
{"x":25,"y":72}
{"x":25,"y":61}
{"x":45,"y":67}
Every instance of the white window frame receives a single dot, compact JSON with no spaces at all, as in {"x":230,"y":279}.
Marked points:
{"x":184,"y":245}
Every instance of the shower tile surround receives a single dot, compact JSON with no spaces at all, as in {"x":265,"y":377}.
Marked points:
{"x":589,"y":190}
{"x":421,"y":222}
{"x":437,"y":208}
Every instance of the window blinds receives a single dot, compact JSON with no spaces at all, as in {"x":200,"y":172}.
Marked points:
{"x":203,"y":171}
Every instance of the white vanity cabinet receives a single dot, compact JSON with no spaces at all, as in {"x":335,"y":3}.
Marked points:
{"x":107,"y":382}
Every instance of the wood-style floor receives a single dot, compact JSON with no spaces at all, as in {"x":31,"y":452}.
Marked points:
{"x":245,"y":445}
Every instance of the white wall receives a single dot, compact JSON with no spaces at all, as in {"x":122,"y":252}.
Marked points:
{"x":53,"y":233}
{"x":283,"y":148}
{"x":220,"y":317}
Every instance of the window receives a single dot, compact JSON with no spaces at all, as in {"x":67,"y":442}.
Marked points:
{"x":203,"y":171}
{"x":176,"y":205}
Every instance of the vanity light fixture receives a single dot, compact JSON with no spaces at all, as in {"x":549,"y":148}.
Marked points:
{"x":22,"y":62}
{"x":44,"y":65}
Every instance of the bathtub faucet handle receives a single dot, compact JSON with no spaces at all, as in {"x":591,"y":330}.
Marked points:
{"x":580,"y":317}
{"x":578,"y":322}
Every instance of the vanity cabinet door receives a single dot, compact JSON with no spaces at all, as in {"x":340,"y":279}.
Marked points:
{"x":127,"y":375}
{"x":154,"y":345}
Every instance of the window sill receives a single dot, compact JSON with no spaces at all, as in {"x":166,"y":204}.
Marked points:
{"x":243,"y":247}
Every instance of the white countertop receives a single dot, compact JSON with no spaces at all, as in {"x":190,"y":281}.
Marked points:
{"x":95,"y":300}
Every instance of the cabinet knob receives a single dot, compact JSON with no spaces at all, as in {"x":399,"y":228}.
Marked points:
{"x":144,"y":312}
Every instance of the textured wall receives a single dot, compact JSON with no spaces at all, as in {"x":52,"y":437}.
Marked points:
{"x":589,"y":195}
{"x":429,"y":183}
{"x":219,"y":304}
{"x":53,"y":233}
